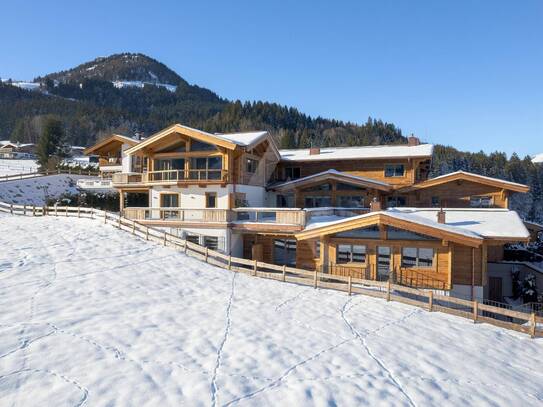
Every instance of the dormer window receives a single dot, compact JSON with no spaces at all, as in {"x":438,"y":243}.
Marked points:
{"x":394,"y":170}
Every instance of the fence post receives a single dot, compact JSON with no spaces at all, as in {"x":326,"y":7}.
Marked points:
{"x":78,"y":211}
{"x":350,"y":285}
{"x":133,"y":227}
{"x":33,"y":210}
{"x":229,"y":261}
{"x":119,"y":221}
{"x":430,"y":301}
{"x":315,"y":279}
{"x":388,"y":290}
{"x":475,"y":310}
{"x":164,"y":238}
{"x":11,"y":208}
{"x":532,"y":325}
{"x":147,"y":233}
{"x":66,"y":211}
{"x":24,"y":209}
{"x":56,"y":210}
{"x":44,"y":211}
{"x":284,"y":272}
{"x":186,"y":245}
{"x":255,"y":267}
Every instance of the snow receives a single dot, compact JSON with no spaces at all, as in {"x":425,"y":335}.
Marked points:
{"x":93,"y":316}
{"x":33,"y":191}
{"x":332,"y":172}
{"x":244,"y":139}
{"x":481,"y":177}
{"x":350,"y":153}
{"x":475,"y":223}
{"x":538,"y":158}
{"x":26,"y":85}
{"x":140,"y":84}
{"x":12,"y":167}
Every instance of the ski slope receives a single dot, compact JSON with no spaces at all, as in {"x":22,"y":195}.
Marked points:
{"x":14,"y":167}
{"x":92,"y":316}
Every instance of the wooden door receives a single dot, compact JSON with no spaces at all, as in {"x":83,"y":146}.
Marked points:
{"x":495,"y":289}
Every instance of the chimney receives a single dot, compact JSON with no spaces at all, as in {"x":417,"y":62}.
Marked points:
{"x":441,"y":216}
{"x":375,"y":205}
{"x":413,"y":141}
{"x":314,"y":151}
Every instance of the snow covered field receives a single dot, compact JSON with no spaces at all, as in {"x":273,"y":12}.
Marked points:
{"x":33,"y":191}
{"x":12,"y":167}
{"x":93,"y":316}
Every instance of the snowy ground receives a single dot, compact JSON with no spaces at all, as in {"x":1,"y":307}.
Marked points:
{"x":33,"y":191}
{"x":92,"y":316}
{"x":12,"y":167}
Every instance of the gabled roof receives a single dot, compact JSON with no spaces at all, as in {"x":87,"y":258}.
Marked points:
{"x":111,"y":139}
{"x":465,"y":226}
{"x":366,"y":153}
{"x":468,"y":176}
{"x":228,"y":141}
{"x":334,"y":175}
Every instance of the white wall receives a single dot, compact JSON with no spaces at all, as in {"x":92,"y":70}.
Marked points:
{"x":191,"y":197}
{"x":126,"y":161}
{"x":255,"y":195}
{"x":464,"y":292}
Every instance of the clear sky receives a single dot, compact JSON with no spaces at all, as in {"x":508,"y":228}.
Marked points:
{"x":465,"y":73}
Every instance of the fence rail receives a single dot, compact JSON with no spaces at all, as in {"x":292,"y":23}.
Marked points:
{"x":525,"y":322}
{"x":36,"y":174}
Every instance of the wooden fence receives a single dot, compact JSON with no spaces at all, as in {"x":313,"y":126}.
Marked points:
{"x":525,"y":322}
{"x":35,"y":174}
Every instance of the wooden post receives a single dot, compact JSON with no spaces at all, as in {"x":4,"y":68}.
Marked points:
{"x":11,"y":208}
{"x":66,"y":211}
{"x":532,"y":325}
{"x":78,"y":211}
{"x":430,"y":301}
{"x":206,"y":254}
{"x":147,"y":233}
{"x":475,"y":310}
{"x":44,"y":211}
{"x":315,"y":279}
{"x":105,"y":216}
{"x":164,"y":238}
{"x":350,"y":285}
{"x":24,"y":209}
{"x":186,"y":245}
{"x":33,"y":210}
{"x":119,"y":221}
{"x":284,"y":272}
{"x":388,"y":290}
{"x":255,"y":267}
{"x":56,"y":210}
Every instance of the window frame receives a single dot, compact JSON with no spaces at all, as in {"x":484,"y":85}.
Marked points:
{"x":394,"y":168}
{"x":292,"y":170}
{"x":208,"y":195}
{"x":351,"y":253}
{"x":417,"y":264}
{"x":480,"y":199}
{"x":249,"y":164}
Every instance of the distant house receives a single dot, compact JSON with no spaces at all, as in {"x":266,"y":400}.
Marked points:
{"x":13,"y":150}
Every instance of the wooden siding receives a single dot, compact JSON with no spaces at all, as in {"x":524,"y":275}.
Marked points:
{"x":467,"y":265}
{"x":456,"y":194}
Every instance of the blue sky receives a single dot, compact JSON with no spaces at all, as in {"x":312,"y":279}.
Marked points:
{"x":464,"y":73}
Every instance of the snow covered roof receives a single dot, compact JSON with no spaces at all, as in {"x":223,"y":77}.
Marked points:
{"x":113,"y":138}
{"x":337,"y":175}
{"x":243,"y":139}
{"x":475,"y":224}
{"x":469,"y":176}
{"x":538,"y":158}
{"x":352,"y":153}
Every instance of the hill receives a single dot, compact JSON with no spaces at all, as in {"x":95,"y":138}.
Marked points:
{"x":128,"y":93}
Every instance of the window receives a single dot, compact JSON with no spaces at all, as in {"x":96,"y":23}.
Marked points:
{"x":313,"y":201}
{"x":292,"y":172}
{"x":285,"y":201}
{"x":394,"y":170}
{"x":197,"y":145}
{"x":211,"y":242}
{"x":284,"y":252}
{"x":350,"y":201}
{"x":169,"y":200}
{"x":170,"y":169}
{"x":211,"y":199}
{"x":320,"y":187}
{"x":481,"y":201}
{"x":252,"y":165}
{"x":396,"y":201}
{"x":350,"y":253}
{"x":193,"y":239}
{"x":436,"y":203}
{"x":317,"y":249}
{"x":340,"y":186}
{"x":206,"y":168}
{"x":417,"y":257}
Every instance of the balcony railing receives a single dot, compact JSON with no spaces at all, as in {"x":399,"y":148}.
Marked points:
{"x":98,"y":183}
{"x":171,"y":176}
{"x":127,"y":178}
{"x":334,"y":211}
{"x":282,"y":216}
{"x":177,"y":214}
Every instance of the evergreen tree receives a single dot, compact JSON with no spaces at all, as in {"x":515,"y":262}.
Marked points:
{"x":50,"y":147}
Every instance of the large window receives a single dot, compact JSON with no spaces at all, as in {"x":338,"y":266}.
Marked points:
{"x":480,"y":201}
{"x":350,"y":253}
{"x":317,"y":201}
{"x":211,"y":199}
{"x":211,"y":242}
{"x":396,"y":201}
{"x":292,"y":172}
{"x":284,"y":252}
{"x":417,"y":257}
{"x":169,"y":200}
{"x":350,"y":201}
{"x":206,"y":167}
{"x":394,"y":170}
{"x":196,"y":145}
{"x":169,"y":169}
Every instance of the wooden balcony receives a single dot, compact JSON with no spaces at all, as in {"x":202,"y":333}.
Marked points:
{"x":173,"y":177}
